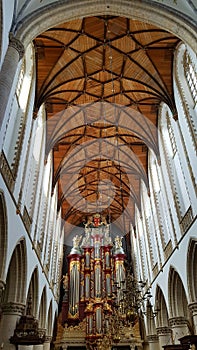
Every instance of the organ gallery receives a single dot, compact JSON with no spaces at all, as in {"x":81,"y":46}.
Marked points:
{"x":95,"y":311}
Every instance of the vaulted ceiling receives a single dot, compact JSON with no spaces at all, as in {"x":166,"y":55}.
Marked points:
{"x":102,"y":80}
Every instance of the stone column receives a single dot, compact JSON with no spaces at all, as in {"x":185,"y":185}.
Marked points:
{"x":179,"y":326}
{"x":13,"y":55}
{"x":193,"y":309}
{"x":38,"y":347}
{"x":43,"y":346}
{"x":153,"y":342}
{"x":11,"y":312}
{"x":46,"y":345}
{"x":165,"y":336}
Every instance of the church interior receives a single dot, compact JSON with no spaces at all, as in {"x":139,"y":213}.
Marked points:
{"x":98,"y":175}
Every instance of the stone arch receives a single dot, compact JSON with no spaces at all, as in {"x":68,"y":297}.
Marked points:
{"x":17,"y":275}
{"x":55,"y":326}
{"x":142,"y":10}
{"x":3,"y":236}
{"x":49,"y":325}
{"x":33,"y":292}
{"x":160,"y":305}
{"x":192,"y":269}
{"x":178,"y":301}
{"x":42,"y":310}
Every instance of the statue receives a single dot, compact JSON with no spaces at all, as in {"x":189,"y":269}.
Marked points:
{"x":118,"y":245}
{"x":89,"y":222}
{"x":76,"y":241}
{"x":104,"y":221}
{"x":118,"y":242}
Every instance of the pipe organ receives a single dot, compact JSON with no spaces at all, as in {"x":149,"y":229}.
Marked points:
{"x":95,"y":272}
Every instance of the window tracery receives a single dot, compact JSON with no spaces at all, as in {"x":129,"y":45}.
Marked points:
{"x":174,"y":166}
{"x":19,"y":113}
{"x":191,"y":76}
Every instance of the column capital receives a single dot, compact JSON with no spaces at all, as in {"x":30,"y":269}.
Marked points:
{"x":193,"y":308}
{"x":13,"y":309}
{"x":163,"y":330}
{"x":177,"y":321}
{"x":17,"y":45}
{"x":152,"y":338}
{"x":48,"y":339}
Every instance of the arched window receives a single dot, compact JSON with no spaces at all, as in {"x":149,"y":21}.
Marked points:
{"x":141,"y":247}
{"x":174,"y":166}
{"x":185,"y":92}
{"x":149,"y":228}
{"x":19,"y":113}
{"x":190,"y":75}
{"x":52,"y":226}
{"x":160,"y":203}
{"x":34,"y":168}
{"x":44,"y":203}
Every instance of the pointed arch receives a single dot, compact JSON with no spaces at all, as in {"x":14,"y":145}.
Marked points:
{"x":192,"y":269}
{"x":160,"y":304}
{"x":42,"y":310}
{"x":49,"y":325}
{"x":17,"y":275}
{"x":33,"y":292}
{"x":178,"y":301}
{"x":55,"y":326}
{"x":140,"y":10}
{"x":3,"y":236}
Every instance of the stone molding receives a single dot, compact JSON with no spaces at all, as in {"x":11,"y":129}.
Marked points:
{"x":6,"y":171}
{"x":17,"y":45}
{"x":52,"y":14}
{"x":152,"y":338}
{"x":163,"y":330}
{"x":13,"y":309}
{"x":177,"y":321}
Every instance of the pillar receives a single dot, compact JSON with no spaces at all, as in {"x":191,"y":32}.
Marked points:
{"x":164,"y":336}
{"x":11,"y":312}
{"x":153,"y":342}
{"x":46,"y":345}
{"x":38,"y":347}
{"x":13,"y":55}
{"x":193,"y":309}
{"x":179,"y":326}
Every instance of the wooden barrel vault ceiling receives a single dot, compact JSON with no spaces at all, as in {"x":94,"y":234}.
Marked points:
{"x":102,"y":80}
